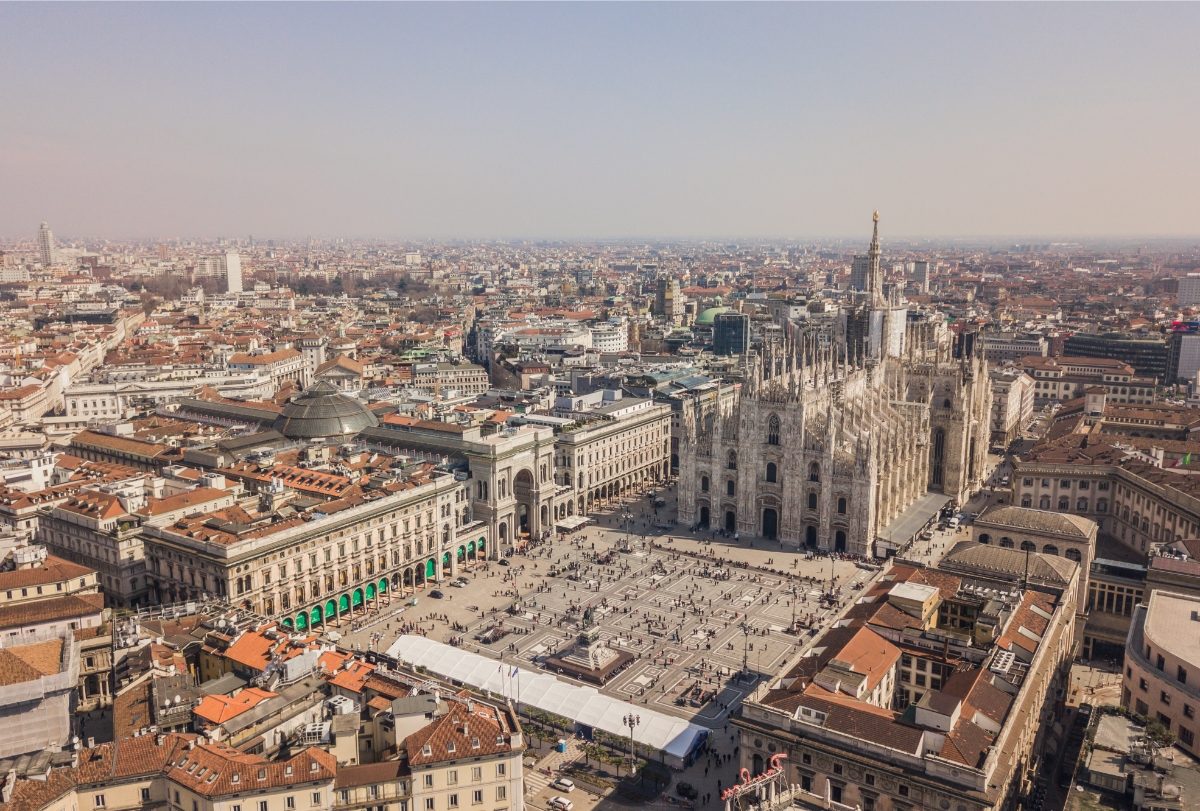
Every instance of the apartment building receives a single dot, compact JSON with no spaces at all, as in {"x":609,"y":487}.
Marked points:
{"x":44,"y":597}
{"x":175,"y":772}
{"x":37,"y":694}
{"x":102,"y":526}
{"x":322,"y":563}
{"x":1134,"y":498}
{"x":1063,"y":378}
{"x":444,"y":377}
{"x":1162,"y":665}
{"x":1012,"y":405}
{"x":613,"y":444}
{"x":116,"y":400}
{"x":281,"y":366}
{"x":977,"y":660}
{"x":1009,"y":347}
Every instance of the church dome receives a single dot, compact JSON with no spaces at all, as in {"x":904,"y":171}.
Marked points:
{"x":321,"y":411}
{"x":705,"y":319}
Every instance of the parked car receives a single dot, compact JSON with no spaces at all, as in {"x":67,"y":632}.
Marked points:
{"x":563,"y":784}
{"x":561,"y":803}
{"x":436,"y":594}
{"x":504,"y":562}
{"x":687,"y":791}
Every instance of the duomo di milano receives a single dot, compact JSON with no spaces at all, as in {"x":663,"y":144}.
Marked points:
{"x":839,"y":430}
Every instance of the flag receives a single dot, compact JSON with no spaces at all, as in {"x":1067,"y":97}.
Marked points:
{"x":513,"y":673}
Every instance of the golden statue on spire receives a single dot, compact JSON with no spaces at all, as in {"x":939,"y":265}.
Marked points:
{"x":875,"y":216}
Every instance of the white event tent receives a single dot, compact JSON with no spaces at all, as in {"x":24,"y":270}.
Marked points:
{"x":675,"y":738}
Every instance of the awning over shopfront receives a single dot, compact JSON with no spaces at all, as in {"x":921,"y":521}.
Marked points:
{"x":909,"y":523}
{"x":571,"y":523}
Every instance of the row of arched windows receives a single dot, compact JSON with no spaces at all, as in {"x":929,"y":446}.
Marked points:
{"x":1029,"y":546}
{"x":1064,"y":503}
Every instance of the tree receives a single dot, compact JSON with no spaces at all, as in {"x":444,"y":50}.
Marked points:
{"x":1158,"y":734}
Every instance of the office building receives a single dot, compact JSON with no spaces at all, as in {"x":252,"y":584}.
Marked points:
{"x":46,"y":250}
{"x":1183,"y":352}
{"x":1188,"y":293}
{"x":1147,"y":356}
{"x":731,"y":334}
{"x":921,"y":274}
{"x":233,"y":273}
{"x":860,"y":271}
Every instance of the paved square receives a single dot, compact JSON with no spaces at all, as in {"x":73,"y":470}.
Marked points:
{"x":692,"y":610}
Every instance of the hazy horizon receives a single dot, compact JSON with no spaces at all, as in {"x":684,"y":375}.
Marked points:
{"x":619,"y":122}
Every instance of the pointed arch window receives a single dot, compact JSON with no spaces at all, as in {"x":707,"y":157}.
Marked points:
{"x":731,"y":461}
{"x":773,"y":430}
{"x":772,"y":472}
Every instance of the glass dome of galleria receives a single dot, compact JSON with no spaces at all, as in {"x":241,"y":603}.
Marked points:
{"x":322,"y":411}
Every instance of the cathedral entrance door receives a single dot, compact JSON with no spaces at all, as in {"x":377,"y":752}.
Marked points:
{"x":810,"y":537}
{"x":770,"y":524}
{"x":730,"y":521}
{"x":839,"y":542}
{"x":704,"y":518}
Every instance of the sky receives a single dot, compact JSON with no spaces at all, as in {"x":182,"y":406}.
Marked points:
{"x":573,"y":121}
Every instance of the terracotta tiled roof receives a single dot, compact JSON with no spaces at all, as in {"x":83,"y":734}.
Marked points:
{"x":54,"y":609}
{"x":214,"y":770}
{"x":53,"y":570}
{"x":459,"y":733}
{"x":265,"y":358}
{"x":22,"y":663}
{"x":94,"y":504}
{"x":371,"y":774}
{"x":136,"y":447}
{"x":180,"y":501}
{"x":218,"y":709}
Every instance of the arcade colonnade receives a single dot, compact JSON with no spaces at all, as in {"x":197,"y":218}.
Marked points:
{"x":376,"y":593}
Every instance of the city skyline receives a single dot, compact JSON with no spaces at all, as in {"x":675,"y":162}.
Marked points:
{"x":551,"y":122}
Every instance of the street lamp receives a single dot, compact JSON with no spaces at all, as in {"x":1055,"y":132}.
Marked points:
{"x":745,"y":648}
{"x":632,"y":721}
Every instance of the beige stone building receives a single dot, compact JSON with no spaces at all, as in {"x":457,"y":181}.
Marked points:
{"x":1062,"y":378}
{"x":1050,"y":533}
{"x":327,"y":562}
{"x":1012,"y":405}
{"x":977,"y":662}
{"x":610,"y":450}
{"x":1135,"y":499}
{"x":1162,"y":665}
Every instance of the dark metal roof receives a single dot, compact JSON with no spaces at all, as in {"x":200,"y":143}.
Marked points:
{"x":321,"y":411}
